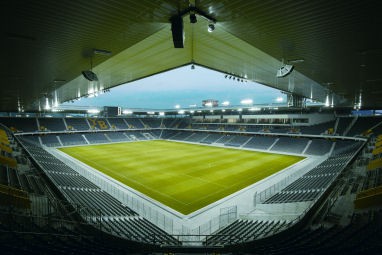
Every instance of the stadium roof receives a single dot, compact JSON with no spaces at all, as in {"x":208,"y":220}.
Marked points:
{"x":48,"y":43}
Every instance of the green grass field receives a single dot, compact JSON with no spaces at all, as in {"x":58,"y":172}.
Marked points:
{"x":185,"y":177}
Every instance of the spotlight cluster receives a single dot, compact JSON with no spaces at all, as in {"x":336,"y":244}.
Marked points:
{"x":235,"y":78}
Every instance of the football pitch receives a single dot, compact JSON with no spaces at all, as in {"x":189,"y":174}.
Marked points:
{"x":185,"y":177}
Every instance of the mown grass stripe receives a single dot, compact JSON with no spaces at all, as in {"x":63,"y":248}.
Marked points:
{"x":185,"y":177}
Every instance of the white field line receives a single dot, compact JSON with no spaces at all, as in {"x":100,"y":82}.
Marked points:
{"x":125,"y":177}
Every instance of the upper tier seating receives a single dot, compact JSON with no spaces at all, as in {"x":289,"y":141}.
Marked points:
{"x":20,"y":124}
{"x":51,"y":124}
{"x":317,"y":129}
{"x":363,"y":124}
{"x":98,"y":123}
{"x":77,"y":123}
{"x":151,"y":122}
{"x":134,"y":123}
{"x":117,"y":123}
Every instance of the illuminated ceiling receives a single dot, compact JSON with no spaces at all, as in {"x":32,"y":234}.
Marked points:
{"x":49,"y":43}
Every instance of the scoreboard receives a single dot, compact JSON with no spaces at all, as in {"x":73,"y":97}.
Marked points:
{"x":111,"y":111}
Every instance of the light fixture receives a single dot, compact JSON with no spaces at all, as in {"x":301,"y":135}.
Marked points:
{"x":58,"y":80}
{"x":246,"y":101}
{"x":296,"y":61}
{"x":193,"y":19}
{"x":254,"y":109}
{"x":327,"y":103}
{"x":284,"y":71}
{"x":177,"y":23}
{"x":211,"y":27}
{"x":192,"y":67}
{"x":101,"y":52}
{"x":93,"y":111}
{"x":238,"y":78}
{"x":47,"y":105}
{"x":279,"y":99}
{"x":208,"y":104}
{"x":89,"y":75}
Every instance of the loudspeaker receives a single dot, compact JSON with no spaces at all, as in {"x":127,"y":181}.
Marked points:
{"x":284,"y":71}
{"x":177,"y":31}
{"x":89,"y":75}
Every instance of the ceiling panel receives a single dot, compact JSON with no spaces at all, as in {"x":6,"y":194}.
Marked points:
{"x":45,"y":41}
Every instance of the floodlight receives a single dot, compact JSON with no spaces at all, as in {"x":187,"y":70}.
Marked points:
{"x":89,"y":75}
{"x":246,"y":101}
{"x":211,"y":27}
{"x":254,"y":109}
{"x":284,"y":71}
{"x":101,"y":52}
{"x":95,"y":111}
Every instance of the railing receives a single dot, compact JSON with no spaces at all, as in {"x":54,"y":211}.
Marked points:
{"x":270,"y":191}
{"x":196,"y":236}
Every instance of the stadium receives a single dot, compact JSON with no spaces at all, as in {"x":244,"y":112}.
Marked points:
{"x":85,"y":172}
